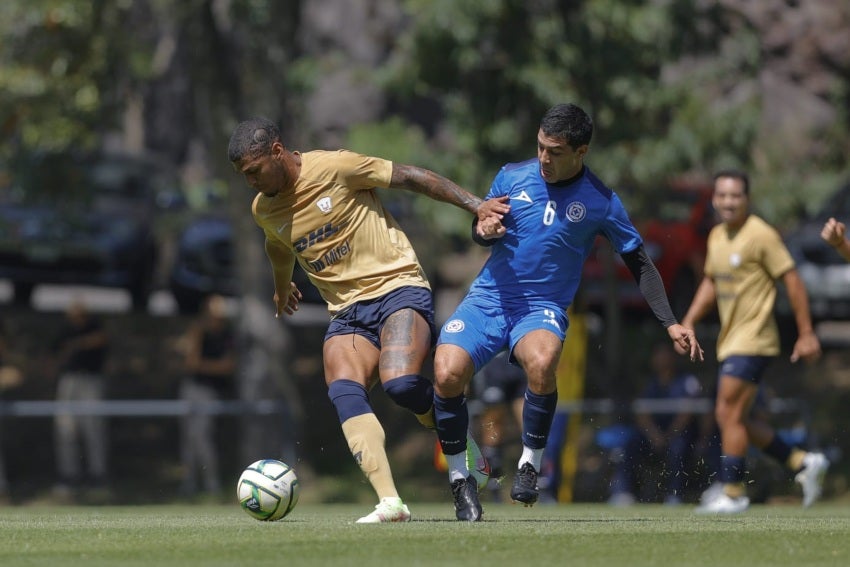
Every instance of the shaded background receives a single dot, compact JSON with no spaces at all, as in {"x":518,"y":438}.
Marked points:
{"x":677,"y":88}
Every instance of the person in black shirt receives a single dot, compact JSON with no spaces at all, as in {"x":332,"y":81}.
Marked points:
{"x":210,"y":361}
{"x":80,"y":350}
{"x":10,"y":377}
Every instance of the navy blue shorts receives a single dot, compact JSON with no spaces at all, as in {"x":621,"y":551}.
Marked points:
{"x":367,"y":318}
{"x":749,"y":368}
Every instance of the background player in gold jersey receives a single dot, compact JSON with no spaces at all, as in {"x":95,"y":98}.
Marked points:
{"x":744,"y":259}
{"x":320,"y":208}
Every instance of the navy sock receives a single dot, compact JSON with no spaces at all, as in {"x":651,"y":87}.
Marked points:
{"x":537,"y":414}
{"x":731,"y":469}
{"x":778,"y":449}
{"x":349,"y":398}
{"x":452,"y":423}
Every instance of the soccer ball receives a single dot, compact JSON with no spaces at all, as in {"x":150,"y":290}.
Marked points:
{"x":268,"y":490}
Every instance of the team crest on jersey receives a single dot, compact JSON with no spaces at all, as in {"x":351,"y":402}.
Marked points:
{"x":324,"y":204}
{"x":576,"y":211}
{"x":735,"y":260}
{"x":454,"y":326}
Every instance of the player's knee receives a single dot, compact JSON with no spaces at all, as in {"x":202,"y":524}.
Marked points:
{"x":349,"y":398}
{"x":411,"y":391}
{"x":447,"y":382}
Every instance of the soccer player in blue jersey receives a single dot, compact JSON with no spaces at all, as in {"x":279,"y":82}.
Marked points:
{"x":519,"y":300}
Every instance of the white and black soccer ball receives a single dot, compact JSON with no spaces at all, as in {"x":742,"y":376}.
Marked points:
{"x":268,"y":490}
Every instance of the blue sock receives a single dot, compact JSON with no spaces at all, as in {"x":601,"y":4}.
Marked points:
{"x":537,"y":414}
{"x":778,"y":449}
{"x":731,"y":469}
{"x":452,"y":423}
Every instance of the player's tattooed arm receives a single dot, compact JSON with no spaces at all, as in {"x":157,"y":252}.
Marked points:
{"x":437,"y":187}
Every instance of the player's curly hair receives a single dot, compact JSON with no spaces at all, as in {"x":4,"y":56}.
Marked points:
{"x":252,"y":138}
{"x":569,"y":122}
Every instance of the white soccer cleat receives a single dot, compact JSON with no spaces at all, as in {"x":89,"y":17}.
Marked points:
{"x":388,"y":510}
{"x":477,"y":464}
{"x":710,"y":493}
{"x":725,"y":504}
{"x":811,"y":477}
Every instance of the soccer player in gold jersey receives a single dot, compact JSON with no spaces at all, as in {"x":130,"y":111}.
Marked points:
{"x":320,"y":208}
{"x":744,"y":259}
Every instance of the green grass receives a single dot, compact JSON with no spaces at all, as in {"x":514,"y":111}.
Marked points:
{"x":574,"y":535}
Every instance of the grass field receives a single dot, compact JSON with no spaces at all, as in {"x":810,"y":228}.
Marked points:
{"x":574,"y":535}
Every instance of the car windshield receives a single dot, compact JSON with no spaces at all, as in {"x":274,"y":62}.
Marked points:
{"x":63,"y":179}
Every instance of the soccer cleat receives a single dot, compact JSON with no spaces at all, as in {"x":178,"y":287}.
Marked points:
{"x":811,"y":477}
{"x":477,"y":464}
{"x":524,"y":488}
{"x":725,"y":504}
{"x":467,"y":506}
{"x":710,"y":493}
{"x":622,"y":499}
{"x":388,"y":510}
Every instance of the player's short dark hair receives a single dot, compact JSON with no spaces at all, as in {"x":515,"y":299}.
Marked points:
{"x":252,"y":138}
{"x":735,"y":174}
{"x":569,"y":122}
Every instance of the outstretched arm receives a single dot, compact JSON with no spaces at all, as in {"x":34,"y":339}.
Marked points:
{"x":835,"y":234}
{"x":652,"y":288}
{"x":703,"y":302}
{"x":437,"y":187}
{"x":286,"y":293}
{"x":807,"y":345}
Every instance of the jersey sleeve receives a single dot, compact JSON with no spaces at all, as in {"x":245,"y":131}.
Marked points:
{"x":499,"y":187}
{"x":359,"y":172}
{"x":618,"y":228}
{"x":777,"y":259}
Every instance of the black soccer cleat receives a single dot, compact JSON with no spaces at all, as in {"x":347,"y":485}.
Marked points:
{"x":524,"y":488}
{"x":467,"y":506}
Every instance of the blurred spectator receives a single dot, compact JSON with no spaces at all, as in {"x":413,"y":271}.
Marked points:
{"x":666,"y":436}
{"x":80,"y":350}
{"x":10,"y":377}
{"x":210,"y":361}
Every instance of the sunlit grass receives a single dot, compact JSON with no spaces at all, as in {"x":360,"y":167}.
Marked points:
{"x":510,"y":535}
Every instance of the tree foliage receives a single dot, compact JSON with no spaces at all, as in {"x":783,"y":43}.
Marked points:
{"x":673,"y":85}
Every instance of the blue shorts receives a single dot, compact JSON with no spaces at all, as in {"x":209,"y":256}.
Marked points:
{"x":749,"y":368}
{"x":367,"y":318}
{"x":482,"y":326}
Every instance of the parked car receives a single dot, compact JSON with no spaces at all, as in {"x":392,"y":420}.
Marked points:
{"x":205,"y":263}
{"x":824,"y":272}
{"x":674,"y":232}
{"x":83,"y":220}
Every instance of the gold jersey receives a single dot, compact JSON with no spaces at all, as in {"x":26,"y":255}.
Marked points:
{"x":744,"y":266}
{"x":333,"y":223}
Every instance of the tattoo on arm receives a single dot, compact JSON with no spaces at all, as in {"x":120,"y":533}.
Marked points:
{"x":433,"y":185}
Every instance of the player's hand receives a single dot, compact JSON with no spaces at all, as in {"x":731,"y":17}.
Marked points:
{"x":497,"y":208}
{"x":685,"y":341}
{"x":833,"y":232}
{"x":290,"y":306}
{"x":490,"y":228}
{"x":807,"y":348}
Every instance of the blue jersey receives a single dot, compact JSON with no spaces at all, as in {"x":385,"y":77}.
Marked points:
{"x":549,"y":233}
